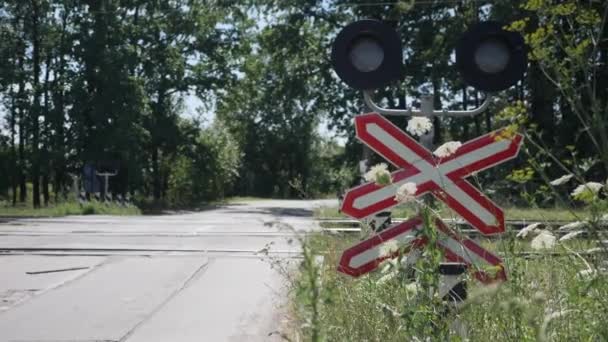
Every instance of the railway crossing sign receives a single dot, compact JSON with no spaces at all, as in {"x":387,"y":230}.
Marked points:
{"x":365,"y":256}
{"x":443,"y":177}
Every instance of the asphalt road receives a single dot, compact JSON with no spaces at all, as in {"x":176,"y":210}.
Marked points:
{"x":205,"y":276}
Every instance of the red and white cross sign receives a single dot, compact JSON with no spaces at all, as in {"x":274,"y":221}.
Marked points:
{"x":365,"y":256}
{"x":443,"y":177}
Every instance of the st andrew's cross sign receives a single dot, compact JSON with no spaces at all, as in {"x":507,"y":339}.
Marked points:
{"x":368,"y":254}
{"x":443,"y":177}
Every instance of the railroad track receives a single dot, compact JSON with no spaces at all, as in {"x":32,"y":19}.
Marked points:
{"x":348,"y":226}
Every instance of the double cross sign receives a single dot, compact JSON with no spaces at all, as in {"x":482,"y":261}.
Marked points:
{"x":442,"y":177}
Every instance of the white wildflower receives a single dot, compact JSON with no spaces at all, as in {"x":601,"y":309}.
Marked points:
{"x":557,"y":314}
{"x":388,"y":248}
{"x":561,"y":180}
{"x":388,"y":265}
{"x":594,"y":250}
{"x":548,"y":318}
{"x":406,"y":192}
{"x":419,"y":125}
{"x":385,"y":278}
{"x":412,"y":288}
{"x":571,"y":235}
{"x":447,"y":149}
{"x":604,"y":217}
{"x":573,"y":226}
{"x":378,"y":174}
{"x":544,"y":240}
{"x":587,"y":274}
{"x":531,"y":228}
{"x":587,"y":192}
{"x":389,"y":310}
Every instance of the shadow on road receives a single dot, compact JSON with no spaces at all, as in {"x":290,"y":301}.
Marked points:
{"x":275,"y":211}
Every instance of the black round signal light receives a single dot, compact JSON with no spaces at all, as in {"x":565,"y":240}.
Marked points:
{"x":490,"y":58}
{"x":367,"y":54}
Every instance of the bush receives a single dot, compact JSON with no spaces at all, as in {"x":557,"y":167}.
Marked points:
{"x":208,"y":170}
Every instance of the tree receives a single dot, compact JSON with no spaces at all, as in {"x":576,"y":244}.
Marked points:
{"x":569,"y":44}
{"x":275,"y":108}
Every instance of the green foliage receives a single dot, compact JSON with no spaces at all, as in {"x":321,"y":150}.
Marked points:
{"x":76,"y":92}
{"x":69,"y":208}
{"x":567,"y":41}
{"x":330,"y":173}
{"x":545,"y":299}
{"x":274,"y":110}
{"x":207,"y":170}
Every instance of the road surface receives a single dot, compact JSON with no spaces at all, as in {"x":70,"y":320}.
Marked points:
{"x":204,"y":276}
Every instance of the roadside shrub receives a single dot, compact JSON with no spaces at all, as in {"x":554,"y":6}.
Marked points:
{"x":207,"y":170}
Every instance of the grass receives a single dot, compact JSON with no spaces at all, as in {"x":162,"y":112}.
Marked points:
{"x":528,"y":214}
{"x":68,"y":208}
{"x":544,"y":299}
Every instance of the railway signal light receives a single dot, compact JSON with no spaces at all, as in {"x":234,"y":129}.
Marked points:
{"x":367,"y":54}
{"x":490,"y":58}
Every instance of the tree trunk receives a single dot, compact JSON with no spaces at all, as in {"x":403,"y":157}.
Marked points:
{"x":22,"y":185}
{"x":22,"y":135}
{"x":14,"y":165}
{"x":58,"y":110}
{"x":156,"y":172}
{"x":45,"y":189}
{"x":35,"y":114}
{"x":47,"y":141}
{"x":156,"y":182}
{"x":542,"y":96}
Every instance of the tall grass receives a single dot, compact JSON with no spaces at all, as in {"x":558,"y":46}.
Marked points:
{"x":68,"y":208}
{"x":545,"y":298}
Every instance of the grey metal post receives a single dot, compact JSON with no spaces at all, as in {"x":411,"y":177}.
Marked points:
{"x":106,"y":176}
{"x":426,"y":108}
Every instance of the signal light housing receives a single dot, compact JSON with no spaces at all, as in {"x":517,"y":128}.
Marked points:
{"x":367,"y":54}
{"x":490,"y":58}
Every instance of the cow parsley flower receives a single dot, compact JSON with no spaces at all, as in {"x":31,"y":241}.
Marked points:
{"x":531,"y":228}
{"x":406,"y":192}
{"x":447,"y":149}
{"x":419,"y":125}
{"x":571,"y":235}
{"x":544,"y":240}
{"x":587,"y":274}
{"x":388,"y":248}
{"x":412,"y":288}
{"x":572,"y":226}
{"x":379,"y":174}
{"x":587,"y":192}
{"x":548,"y":318}
{"x":387,"y":277}
{"x":561,"y":180}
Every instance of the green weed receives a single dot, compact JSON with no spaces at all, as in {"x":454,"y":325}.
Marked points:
{"x":68,"y":208}
{"x":545,"y":298}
